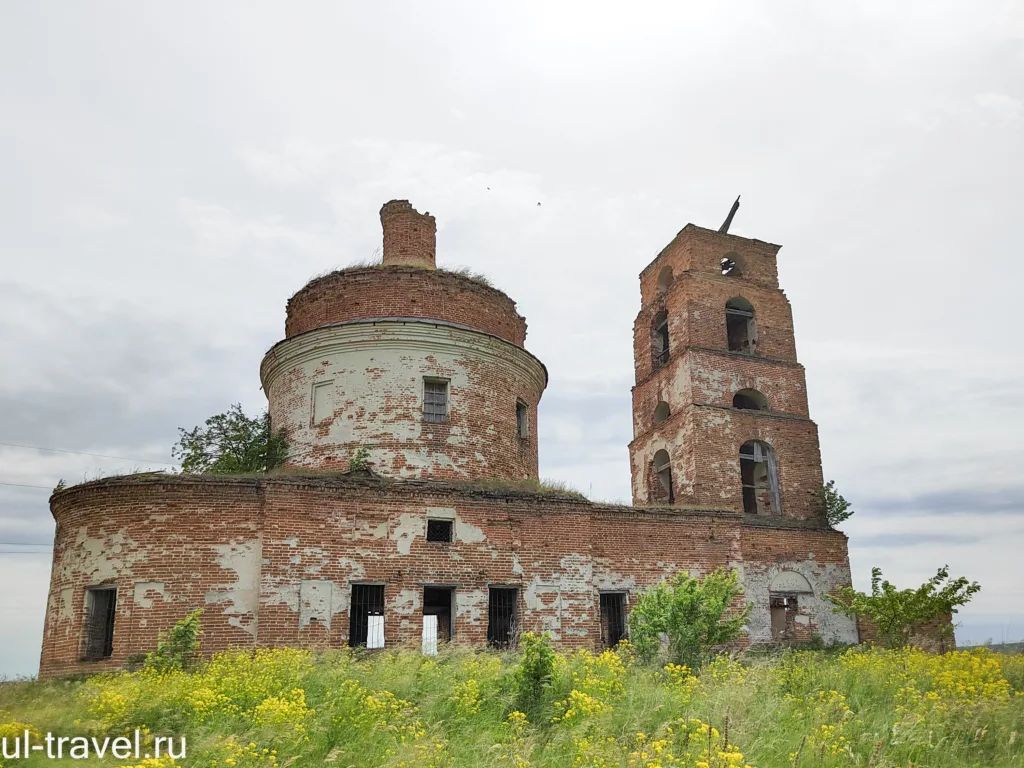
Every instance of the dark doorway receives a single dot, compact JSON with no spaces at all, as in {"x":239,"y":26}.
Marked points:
{"x":438,"y":601}
{"x":784,"y":609}
{"x":613,"y":618}
{"x":367,"y":601}
{"x":501,"y":616}
{"x":101,"y":606}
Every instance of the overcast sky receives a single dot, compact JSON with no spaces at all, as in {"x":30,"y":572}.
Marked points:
{"x":172,"y":173}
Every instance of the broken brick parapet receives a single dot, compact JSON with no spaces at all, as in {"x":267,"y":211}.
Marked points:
{"x":409,"y":236}
{"x":699,"y":250}
{"x":404,"y":291}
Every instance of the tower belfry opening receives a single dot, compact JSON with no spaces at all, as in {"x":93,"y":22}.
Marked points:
{"x":740,"y":328}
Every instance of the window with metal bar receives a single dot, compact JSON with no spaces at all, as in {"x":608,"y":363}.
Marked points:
{"x":101,"y":607}
{"x":435,"y":400}
{"x":366,"y":616}
{"x":501,"y":616}
{"x":440,"y":530}
{"x":613,"y":618}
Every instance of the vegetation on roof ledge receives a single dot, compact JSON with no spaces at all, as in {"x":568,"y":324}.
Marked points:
{"x":375,"y":263}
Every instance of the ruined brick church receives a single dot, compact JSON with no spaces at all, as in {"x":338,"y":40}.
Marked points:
{"x":405,"y":512}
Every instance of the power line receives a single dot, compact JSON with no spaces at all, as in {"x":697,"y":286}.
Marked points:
{"x":83,"y":453}
{"x":23,"y":485}
{"x":22,"y":552}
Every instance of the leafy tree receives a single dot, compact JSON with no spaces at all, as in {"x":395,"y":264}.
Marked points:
{"x":177,"y":648}
{"x":837,"y":509}
{"x":691,"y":612}
{"x":897,"y":613}
{"x":231,"y":443}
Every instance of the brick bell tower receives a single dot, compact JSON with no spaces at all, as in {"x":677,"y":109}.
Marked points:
{"x":720,"y":413}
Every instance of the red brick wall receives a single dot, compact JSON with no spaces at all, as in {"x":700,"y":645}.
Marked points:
{"x":253,"y":551}
{"x":404,"y":291}
{"x":696,"y":318}
{"x":936,"y":636}
{"x":698,"y":381}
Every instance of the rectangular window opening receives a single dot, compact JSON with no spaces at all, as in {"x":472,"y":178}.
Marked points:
{"x":613,"y":618}
{"x":435,"y":400}
{"x":101,"y":607}
{"x":661,"y":344}
{"x":440,"y":530}
{"x":522,"y":419}
{"x":438,"y":617}
{"x":366,"y":616}
{"x":739,"y":327}
{"x":502,"y":616}
{"x":783,"y":615}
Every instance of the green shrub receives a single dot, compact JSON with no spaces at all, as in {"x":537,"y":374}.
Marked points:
{"x":178,"y":647}
{"x":533,"y":676}
{"x":691,"y":613}
{"x":896,"y":613}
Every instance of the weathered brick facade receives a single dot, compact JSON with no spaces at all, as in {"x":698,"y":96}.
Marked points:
{"x":427,"y":371}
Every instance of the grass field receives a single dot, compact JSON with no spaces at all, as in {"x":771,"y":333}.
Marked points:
{"x":398,"y":708}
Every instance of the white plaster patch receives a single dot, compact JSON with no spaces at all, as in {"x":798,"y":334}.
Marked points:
{"x":319,"y":600}
{"x":470,"y":605}
{"x":95,"y":557}
{"x":408,"y":527}
{"x":608,"y":581}
{"x":440,"y":513}
{"x":142,"y":590}
{"x":468,"y":533}
{"x":544,"y":601}
{"x":406,"y":602}
{"x":65,"y":608}
{"x":242,"y":595}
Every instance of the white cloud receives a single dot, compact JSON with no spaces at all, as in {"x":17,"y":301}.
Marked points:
{"x":94,"y":218}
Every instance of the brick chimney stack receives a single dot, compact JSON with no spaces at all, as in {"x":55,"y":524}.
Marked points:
{"x":409,"y":236}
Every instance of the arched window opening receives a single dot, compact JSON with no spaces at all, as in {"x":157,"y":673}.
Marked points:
{"x":760,"y":478}
{"x":665,"y":280}
{"x":663,"y":471}
{"x":739,"y":325}
{"x":661,"y":412}
{"x":750,"y":400}
{"x":730,"y":265}
{"x":659,"y":339}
